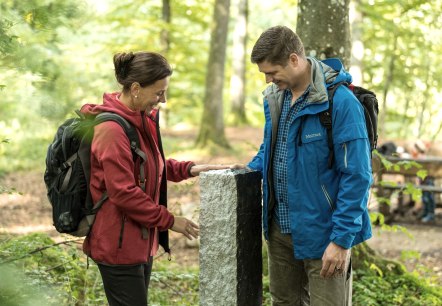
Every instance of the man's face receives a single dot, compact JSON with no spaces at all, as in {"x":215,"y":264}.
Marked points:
{"x":282,"y":76}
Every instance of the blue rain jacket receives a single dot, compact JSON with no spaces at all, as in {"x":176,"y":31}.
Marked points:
{"x":325,"y":204}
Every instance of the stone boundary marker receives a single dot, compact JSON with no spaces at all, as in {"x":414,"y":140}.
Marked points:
{"x":230,"y":238}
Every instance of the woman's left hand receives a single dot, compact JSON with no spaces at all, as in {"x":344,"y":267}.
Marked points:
{"x":197,"y":169}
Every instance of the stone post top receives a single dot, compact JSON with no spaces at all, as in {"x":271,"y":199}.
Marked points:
{"x":226,"y":172}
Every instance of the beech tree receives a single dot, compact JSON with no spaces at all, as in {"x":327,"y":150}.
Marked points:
{"x":324,"y":28}
{"x":238,"y":79}
{"x":212,"y":123}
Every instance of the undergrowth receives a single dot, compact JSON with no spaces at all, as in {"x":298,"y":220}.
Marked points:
{"x":35,"y":270}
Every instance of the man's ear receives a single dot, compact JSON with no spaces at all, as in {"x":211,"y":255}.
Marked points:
{"x":293,"y":59}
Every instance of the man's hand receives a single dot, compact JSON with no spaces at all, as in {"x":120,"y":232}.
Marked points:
{"x":197,"y":169}
{"x":334,"y":260}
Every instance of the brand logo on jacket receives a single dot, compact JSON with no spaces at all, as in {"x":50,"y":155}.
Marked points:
{"x":314,"y":135}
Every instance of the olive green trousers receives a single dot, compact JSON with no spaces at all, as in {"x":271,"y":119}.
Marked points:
{"x":297,"y":282}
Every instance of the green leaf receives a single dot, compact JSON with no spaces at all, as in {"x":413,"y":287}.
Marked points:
{"x":422,"y":174}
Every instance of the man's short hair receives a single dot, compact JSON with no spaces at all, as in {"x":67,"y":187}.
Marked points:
{"x":275,"y":46}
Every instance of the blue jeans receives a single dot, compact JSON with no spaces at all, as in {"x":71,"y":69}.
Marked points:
{"x":429,"y":204}
{"x":297,"y":282}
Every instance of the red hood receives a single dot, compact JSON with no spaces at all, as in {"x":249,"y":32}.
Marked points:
{"x":112,"y":104}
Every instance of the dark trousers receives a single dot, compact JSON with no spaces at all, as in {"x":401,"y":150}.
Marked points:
{"x":126,"y":285}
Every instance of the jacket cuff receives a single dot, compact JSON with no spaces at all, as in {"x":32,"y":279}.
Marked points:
{"x":345,"y":241}
{"x":188,"y":169}
{"x":172,"y":222}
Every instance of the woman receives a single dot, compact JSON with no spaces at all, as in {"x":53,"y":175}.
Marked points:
{"x":132,"y":223}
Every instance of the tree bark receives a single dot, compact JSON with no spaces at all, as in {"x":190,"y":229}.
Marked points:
{"x":238,"y":79}
{"x":165,"y":43}
{"x":212,"y":124}
{"x":166,"y":16}
{"x":323,"y":26}
{"x":388,"y":81}
{"x":357,"y":45}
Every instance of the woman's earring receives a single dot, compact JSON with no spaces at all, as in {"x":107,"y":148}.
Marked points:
{"x":136,"y":97}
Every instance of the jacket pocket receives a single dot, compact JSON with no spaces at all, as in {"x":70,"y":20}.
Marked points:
{"x":314,"y":148}
{"x":344,"y":148}
{"x":328,"y":198}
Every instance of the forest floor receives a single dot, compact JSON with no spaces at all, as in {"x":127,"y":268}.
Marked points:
{"x":27,"y":210}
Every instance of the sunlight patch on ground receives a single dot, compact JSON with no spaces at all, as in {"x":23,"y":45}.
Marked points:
{"x":21,"y":230}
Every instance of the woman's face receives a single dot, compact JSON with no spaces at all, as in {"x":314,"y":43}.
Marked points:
{"x":150,"y":96}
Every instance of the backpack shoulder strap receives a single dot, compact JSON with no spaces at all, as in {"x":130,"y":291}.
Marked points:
{"x":326,"y":120}
{"x":132,"y":134}
{"x":128,"y":128}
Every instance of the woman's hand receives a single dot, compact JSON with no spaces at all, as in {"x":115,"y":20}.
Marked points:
{"x":197,"y":169}
{"x":185,"y":227}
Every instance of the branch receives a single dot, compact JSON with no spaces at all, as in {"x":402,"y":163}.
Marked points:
{"x":40,"y":249}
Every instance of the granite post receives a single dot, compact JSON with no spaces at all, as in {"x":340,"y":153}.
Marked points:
{"x":230,"y":238}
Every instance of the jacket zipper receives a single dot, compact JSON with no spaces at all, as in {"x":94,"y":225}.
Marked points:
{"x":152,"y":148}
{"x":327,"y":196}
{"x":120,"y":239}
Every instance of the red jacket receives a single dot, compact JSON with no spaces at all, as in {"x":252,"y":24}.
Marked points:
{"x":116,"y":236}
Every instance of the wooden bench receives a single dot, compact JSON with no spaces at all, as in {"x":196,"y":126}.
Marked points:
{"x":402,"y":177}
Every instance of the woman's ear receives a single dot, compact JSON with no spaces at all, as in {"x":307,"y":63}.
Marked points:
{"x":135,"y":89}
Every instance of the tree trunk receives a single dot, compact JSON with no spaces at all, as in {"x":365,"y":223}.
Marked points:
{"x":365,"y":258}
{"x":165,"y":43}
{"x":166,"y":16}
{"x":238,"y":80}
{"x":388,"y":81}
{"x":324,"y":28}
{"x":357,"y":46}
{"x":426,"y":98}
{"x":212,"y":124}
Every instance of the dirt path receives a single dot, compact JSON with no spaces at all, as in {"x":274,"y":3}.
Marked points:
{"x":29,"y":211}
{"x":420,"y":248}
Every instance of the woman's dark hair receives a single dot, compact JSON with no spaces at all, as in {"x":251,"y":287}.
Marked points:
{"x":143,"y":67}
{"x":275,"y":46}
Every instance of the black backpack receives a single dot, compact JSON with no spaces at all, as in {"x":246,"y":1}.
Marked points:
{"x":371,"y":110}
{"x":67,"y":172}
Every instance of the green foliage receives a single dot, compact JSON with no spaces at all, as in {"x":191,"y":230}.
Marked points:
{"x":379,"y":281}
{"x":393,"y":289}
{"x":8,"y":43}
{"x":399,"y":39}
{"x":173,"y":286}
{"x":38,"y":72}
{"x":26,"y":146}
{"x":39,"y":271}
{"x":56,"y":55}
{"x":15,"y":289}
{"x":54,"y":274}
{"x":402,"y":166}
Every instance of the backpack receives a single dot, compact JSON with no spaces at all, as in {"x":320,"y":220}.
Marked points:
{"x":371,"y":110}
{"x":67,"y":173}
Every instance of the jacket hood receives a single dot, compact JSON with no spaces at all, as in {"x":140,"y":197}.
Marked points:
{"x":323,"y":74}
{"x":112,"y":104}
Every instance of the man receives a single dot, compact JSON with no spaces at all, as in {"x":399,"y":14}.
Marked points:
{"x":312,"y":214}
